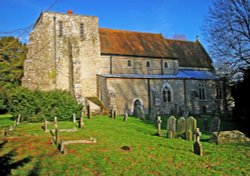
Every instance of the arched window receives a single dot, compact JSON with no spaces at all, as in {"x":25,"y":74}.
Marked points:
{"x":166,"y":94}
{"x":148,"y":64}
{"x":165,"y":65}
{"x":202,"y":91}
{"x":129,"y":63}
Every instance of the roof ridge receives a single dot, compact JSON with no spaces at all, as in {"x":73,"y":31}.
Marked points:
{"x":128,"y":31}
{"x":175,"y":40}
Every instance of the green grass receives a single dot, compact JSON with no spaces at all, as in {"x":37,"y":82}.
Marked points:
{"x":150,"y":155}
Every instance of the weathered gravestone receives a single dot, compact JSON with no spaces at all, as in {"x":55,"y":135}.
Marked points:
{"x":140,"y":112}
{"x":158,"y":133}
{"x":125,"y":117}
{"x":18,"y":119}
{"x":74,"y":117}
{"x":191,"y":125}
{"x":56,"y":135}
{"x":55,"y":119}
{"x":81,"y":123}
{"x":223,"y":137}
{"x":197,"y":145}
{"x":89,"y":115}
{"x":215,"y":124}
{"x":171,"y":127}
{"x":45,"y":126}
{"x":205,"y":124}
{"x":181,"y":126}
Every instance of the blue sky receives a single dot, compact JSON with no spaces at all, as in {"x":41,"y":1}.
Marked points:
{"x":168,"y":17}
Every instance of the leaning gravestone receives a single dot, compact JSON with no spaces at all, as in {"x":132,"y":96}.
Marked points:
{"x":81,"y":123}
{"x":181,"y":126}
{"x":191,"y":125}
{"x":215,"y":124}
{"x":171,"y":127}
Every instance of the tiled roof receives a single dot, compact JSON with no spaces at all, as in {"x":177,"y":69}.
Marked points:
{"x":190,"y":54}
{"x":181,"y":74}
{"x":127,"y":43}
{"x":118,"y":42}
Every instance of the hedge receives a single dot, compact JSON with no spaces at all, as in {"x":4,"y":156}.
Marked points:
{"x":35,"y":106}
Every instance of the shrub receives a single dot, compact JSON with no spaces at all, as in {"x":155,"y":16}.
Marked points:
{"x":35,"y":106}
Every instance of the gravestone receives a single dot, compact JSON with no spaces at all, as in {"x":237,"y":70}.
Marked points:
{"x":206,"y":124}
{"x":5,"y":132}
{"x":74,"y":117}
{"x":197,"y":145}
{"x":45,"y":125}
{"x":56,"y":134}
{"x":158,"y":133}
{"x":55,"y":119}
{"x":125,"y":117}
{"x":181,"y":126}
{"x":191,"y":125}
{"x":89,"y":115}
{"x":140,"y":112}
{"x":115,"y":114}
{"x":81,"y":123}
{"x":171,"y":127}
{"x":232,"y":136}
{"x":18,"y":119}
{"x":215,"y":124}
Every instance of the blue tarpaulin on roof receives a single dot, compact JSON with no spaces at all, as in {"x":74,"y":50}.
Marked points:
{"x":181,"y":74}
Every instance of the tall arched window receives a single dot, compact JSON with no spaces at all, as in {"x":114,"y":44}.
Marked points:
{"x":166,"y":94}
{"x":148,"y":64}
{"x":202,"y":91}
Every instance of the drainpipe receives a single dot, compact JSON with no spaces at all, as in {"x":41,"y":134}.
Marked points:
{"x":111,"y":64}
{"x":149,"y":96}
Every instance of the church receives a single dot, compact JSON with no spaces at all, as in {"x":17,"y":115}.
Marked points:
{"x":120,"y":69}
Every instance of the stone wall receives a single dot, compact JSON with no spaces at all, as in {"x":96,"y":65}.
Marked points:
{"x":128,"y":90}
{"x":119,"y":65}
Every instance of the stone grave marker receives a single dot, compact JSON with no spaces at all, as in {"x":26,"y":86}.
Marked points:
{"x":56,"y":134}
{"x":81,"y":123}
{"x":171,"y":127}
{"x":74,"y":117}
{"x":191,"y":125}
{"x":181,"y":126}
{"x":158,"y":133}
{"x":115,"y":114}
{"x":215,"y":124}
{"x":55,"y":119}
{"x":140,"y":112}
{"x":89,"y":115}
{"x":18,"y":119}
{"x":205,"y":124}
{"x":197,"y":145}
{"x":125,"y":116}
{"x":15,"y":124}
{"x":45,"y":125}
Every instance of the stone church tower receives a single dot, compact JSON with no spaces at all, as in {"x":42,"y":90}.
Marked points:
{"x":63,"y":53}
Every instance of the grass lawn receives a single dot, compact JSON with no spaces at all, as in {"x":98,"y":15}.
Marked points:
{"x":29,"y":151}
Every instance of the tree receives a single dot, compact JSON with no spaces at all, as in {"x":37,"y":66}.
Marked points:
{"x":12,"y":56}
{"x":227,"y":30}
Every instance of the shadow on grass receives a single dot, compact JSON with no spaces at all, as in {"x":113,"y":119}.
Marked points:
{"x":6,"y":161}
